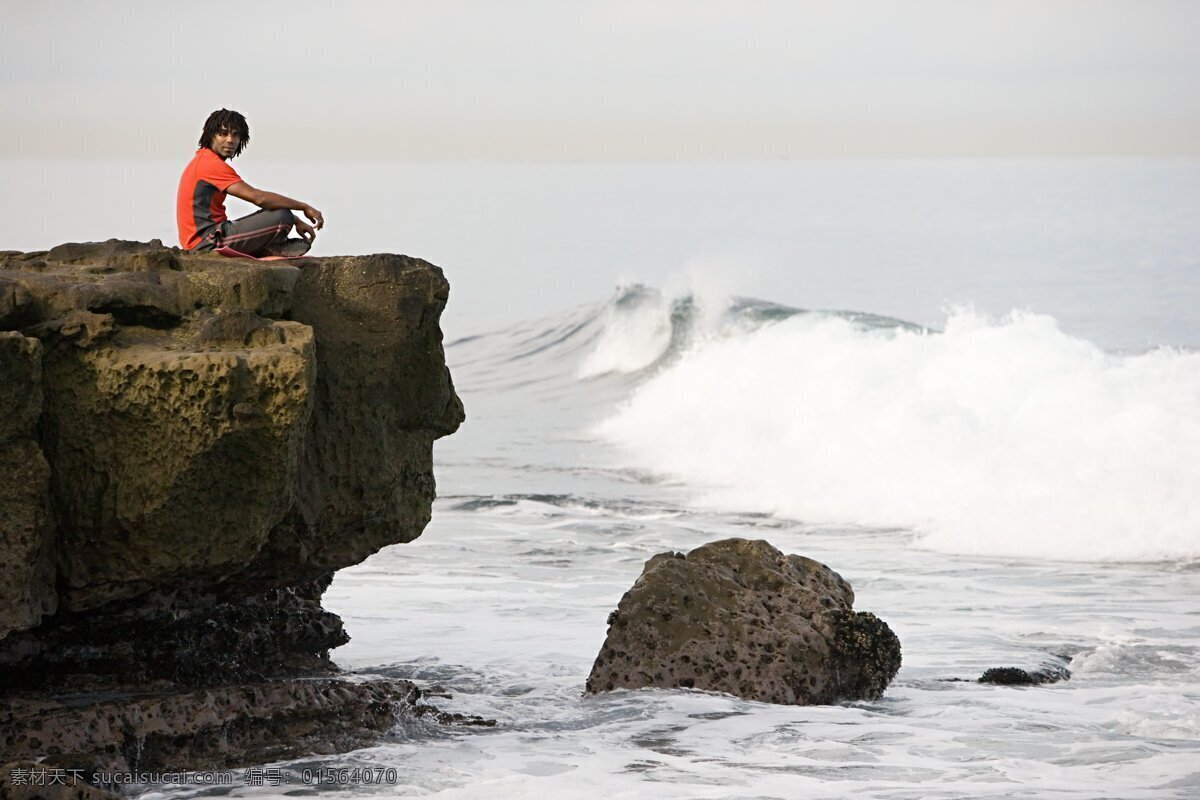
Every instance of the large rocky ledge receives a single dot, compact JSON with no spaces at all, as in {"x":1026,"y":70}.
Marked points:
{"x":190,"y":446}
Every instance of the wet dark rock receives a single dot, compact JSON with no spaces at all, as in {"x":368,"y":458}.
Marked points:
{"x":206,"y":728}
{"x":1016,"y":676}
{"x":192,"y":641}
{"x":189,"y":448}
{"x":455,"y":719}
{"x":740,"y":617}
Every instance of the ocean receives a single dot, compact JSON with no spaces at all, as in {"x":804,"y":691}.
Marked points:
{"x":972,"y":388}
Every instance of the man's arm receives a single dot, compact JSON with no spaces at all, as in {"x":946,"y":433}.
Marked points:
{"x":272,"y":201}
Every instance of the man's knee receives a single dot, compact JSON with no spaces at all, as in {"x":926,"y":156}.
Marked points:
{"x":281,"y":217}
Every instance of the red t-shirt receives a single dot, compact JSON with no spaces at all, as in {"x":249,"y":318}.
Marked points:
{"x":200,"y":203}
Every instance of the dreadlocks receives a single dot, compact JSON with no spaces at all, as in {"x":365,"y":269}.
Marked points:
{"x":225,"y":120}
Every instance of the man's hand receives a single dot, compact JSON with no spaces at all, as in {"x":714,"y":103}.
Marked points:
{"x":314,"y":217}
{"x":305,"y":230}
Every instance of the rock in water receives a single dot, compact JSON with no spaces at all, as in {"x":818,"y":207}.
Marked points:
{"x":1016,"y":676}
{"x":740,"y":617}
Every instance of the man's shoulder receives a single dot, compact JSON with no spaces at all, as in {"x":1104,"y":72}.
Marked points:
{"x":206,"y":162}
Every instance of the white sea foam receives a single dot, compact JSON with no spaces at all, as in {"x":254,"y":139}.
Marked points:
{"x":1130,"y":657}
{"x":634,"y":335}
{"x":1007,"y":438}
{"x":1167,"y":723}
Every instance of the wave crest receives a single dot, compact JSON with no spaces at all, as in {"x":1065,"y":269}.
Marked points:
{"x":1005,"y":438}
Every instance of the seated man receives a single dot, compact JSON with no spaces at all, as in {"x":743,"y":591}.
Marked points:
{"x":200,"y":203}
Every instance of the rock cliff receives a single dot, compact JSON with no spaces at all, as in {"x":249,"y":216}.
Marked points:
{"x":190,"y":446}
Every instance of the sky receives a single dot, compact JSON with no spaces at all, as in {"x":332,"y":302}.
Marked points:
{"x":624,"y":80}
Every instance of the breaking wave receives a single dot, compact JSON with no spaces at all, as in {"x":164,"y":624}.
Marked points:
{"x":995,"y":437}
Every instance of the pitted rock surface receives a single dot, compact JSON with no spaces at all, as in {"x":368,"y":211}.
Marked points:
{"x":186,"y":455}
{"x":26,"y":521}
{"x":740,"y":617}
{"x":205,"y":728}
{"x":212,"y":429}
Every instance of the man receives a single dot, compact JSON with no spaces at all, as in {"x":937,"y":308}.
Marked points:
{"x":200,"y":203}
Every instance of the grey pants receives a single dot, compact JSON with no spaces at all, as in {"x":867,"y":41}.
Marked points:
{"x":252,"y":234}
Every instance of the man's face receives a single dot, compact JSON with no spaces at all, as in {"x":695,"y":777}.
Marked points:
{"x":225,"y":143}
